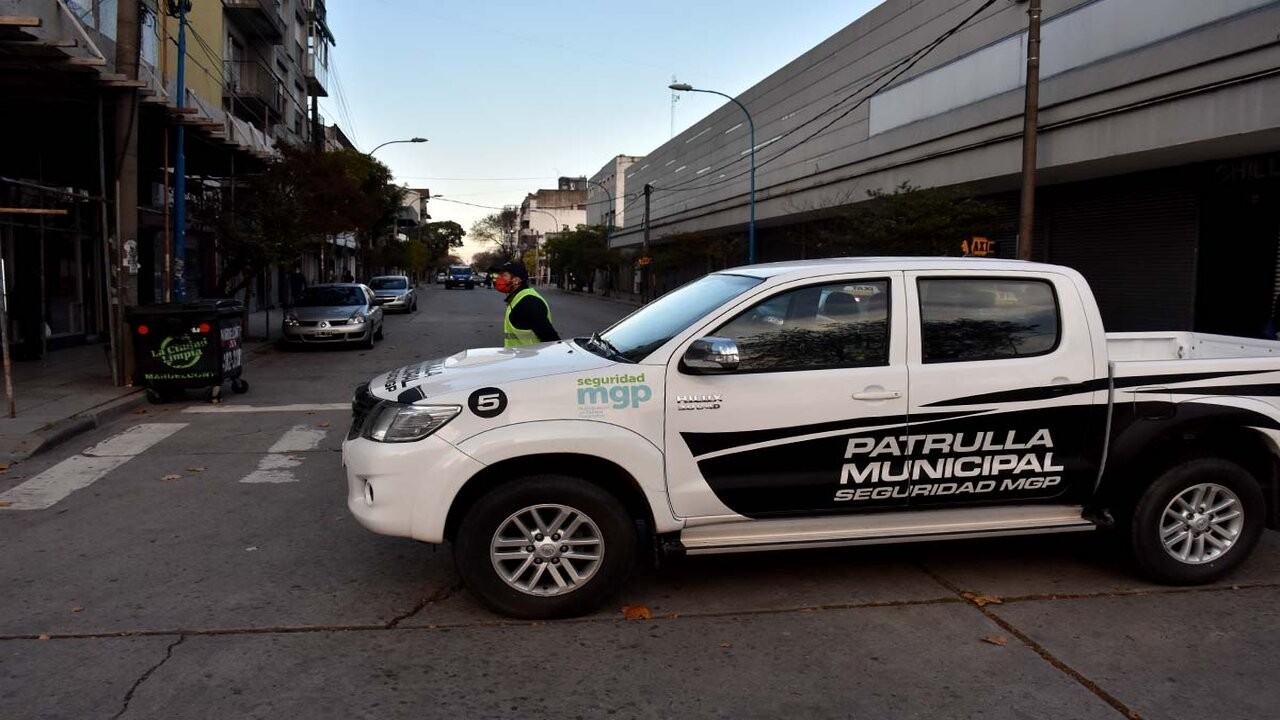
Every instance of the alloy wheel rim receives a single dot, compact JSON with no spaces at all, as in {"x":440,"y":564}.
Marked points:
{"x":547,"y":550}
{"x":1201,"y":524}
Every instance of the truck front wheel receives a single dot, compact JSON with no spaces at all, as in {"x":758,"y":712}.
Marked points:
{"x":546,"y":546}
{"x":1197,"y":522}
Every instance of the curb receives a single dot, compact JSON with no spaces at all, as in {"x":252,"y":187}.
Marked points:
{"x":590,"y":296}
{"x":63,"y":430}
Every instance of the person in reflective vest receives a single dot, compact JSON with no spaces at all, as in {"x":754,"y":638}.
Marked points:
{"x":528,"y":317}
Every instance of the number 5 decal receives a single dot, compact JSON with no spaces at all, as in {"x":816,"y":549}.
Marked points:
{"x":487,"y":402}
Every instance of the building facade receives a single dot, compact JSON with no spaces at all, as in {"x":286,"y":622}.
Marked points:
{"x":92,"y":205}
{"x":606,"y":192}
{"x":547,"y":212}
{"x":1159,"y":127}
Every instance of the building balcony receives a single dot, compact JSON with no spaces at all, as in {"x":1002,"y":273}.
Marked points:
{"x":257,"y":16}
{"x":254,"y":93}
{"x":316,"y":71}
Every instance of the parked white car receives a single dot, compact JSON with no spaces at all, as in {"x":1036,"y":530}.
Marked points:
{"x":823,"y":403}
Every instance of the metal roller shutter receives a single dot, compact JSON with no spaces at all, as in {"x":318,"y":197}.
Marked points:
{"x":1135,"y":244}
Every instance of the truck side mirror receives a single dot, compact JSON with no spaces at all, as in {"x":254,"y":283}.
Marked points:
{"x":711,"y":355}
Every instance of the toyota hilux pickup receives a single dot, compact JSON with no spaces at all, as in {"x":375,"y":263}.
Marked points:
{"x":823,"y":403}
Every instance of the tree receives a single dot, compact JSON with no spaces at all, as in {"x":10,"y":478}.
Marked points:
{"x":581,"y":251}
{"x":485,"y":259}
{"x":906,"y":220}
{"x":438,"y":240}
{"x":295,"y":203}
{"x":499,"y":229}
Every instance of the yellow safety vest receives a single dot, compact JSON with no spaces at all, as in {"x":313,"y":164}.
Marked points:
{"x":513,"y":336}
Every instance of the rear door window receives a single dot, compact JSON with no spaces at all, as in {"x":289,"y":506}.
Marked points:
{"x":968,"y":319}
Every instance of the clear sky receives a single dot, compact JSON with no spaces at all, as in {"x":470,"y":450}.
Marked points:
{"x":512,"y":94}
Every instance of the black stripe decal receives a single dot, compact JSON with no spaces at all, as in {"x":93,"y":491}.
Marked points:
{"x":1266,"y":390}
{"x":703,"y":443}
{"x":1056,"y":391}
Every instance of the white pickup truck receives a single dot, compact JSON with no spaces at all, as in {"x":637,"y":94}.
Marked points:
{"x":823,"y":403}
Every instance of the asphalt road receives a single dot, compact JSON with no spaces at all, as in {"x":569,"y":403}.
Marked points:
{"x":210,"y":569}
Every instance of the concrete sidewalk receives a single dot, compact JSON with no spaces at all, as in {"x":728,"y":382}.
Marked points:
{"x":623,"y":298}
{"x":70,"y":391}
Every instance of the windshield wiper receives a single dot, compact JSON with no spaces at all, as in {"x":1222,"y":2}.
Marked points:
{"x":607,"y":346}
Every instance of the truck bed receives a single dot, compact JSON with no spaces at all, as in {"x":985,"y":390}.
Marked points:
{"x":1144,"y":346}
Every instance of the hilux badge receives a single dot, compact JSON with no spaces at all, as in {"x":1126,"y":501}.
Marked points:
{"x":698,"y":402}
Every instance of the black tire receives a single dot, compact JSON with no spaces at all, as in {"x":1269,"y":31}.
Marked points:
{"x":239,"y":386}
{"x":378,"y":335}
{"x":487,"y":516}
{"x":1150,"y":553}
{"x":154,"y":397}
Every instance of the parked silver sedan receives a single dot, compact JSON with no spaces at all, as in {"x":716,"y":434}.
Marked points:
{"x":337,"y":314}
{"x":394,"y":292}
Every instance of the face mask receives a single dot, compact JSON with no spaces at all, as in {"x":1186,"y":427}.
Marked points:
{"x":502,"y":285}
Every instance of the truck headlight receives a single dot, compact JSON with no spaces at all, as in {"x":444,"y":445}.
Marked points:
{"x":397,"y":422}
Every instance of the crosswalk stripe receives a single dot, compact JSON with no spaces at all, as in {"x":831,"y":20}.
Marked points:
{"x":296,"y":407}
{"x":276,"y":466}
{"x":81,"y":471}
{"x":299,"y":438}
{"x":134,"y":441}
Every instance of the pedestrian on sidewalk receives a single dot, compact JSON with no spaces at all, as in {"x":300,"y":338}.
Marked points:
{"x":527,"y":320}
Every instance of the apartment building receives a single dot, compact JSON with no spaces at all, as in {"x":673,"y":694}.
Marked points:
{"x":91,"y":220}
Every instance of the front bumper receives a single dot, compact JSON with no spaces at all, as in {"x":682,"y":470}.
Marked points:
{"x":405,"y":489}
{"x":394,"y":303}
{"x":330,"y":335}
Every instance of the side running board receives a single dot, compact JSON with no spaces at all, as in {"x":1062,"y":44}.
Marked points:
{"x":881,"y":528}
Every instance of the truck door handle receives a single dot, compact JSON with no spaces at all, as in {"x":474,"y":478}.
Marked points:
{"x":880,"y":395}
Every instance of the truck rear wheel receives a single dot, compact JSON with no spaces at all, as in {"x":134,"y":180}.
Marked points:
{"x":546,"y":546}
{"x":1197,"y":522}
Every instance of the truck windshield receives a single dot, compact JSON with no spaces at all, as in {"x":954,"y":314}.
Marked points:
{"x":648,"y":328}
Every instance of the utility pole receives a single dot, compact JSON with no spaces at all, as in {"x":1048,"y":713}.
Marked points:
{"x":317,"y":129}
{"x":645,"y":260}
{"x":1030,"y":119}
{"x":180,"y":162}
{"x":123,"y":266}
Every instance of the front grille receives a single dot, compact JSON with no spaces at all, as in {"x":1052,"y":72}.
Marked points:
{"x":362,"y":402}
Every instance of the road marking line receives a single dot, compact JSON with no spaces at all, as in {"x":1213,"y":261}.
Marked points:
{"x":299,"y":407}
{"x":274,"y":469}
{"x":80,"y":471}
{"x":301,"y":438}
{"x":276,"y":466}
{"x":134,"y":441}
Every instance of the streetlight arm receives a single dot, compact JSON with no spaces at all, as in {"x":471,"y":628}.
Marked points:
{"x":751,"y":126}
{"x":393,"y":142}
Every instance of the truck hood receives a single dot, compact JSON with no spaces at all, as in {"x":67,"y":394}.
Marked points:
{"x":485,"y":367}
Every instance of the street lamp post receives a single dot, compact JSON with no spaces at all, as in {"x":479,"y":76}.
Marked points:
{"x":608,"y":230}
{"x":370,"y":155}
{"x":751,"y":227}
{"x":537,"y":251}
{"x":393,"y":142}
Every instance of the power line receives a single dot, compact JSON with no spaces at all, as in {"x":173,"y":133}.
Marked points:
{"x":901,"y":67}
{"x":476,"y":179}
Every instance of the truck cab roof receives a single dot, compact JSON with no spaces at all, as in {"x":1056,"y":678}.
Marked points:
{"x":825,"y":266}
